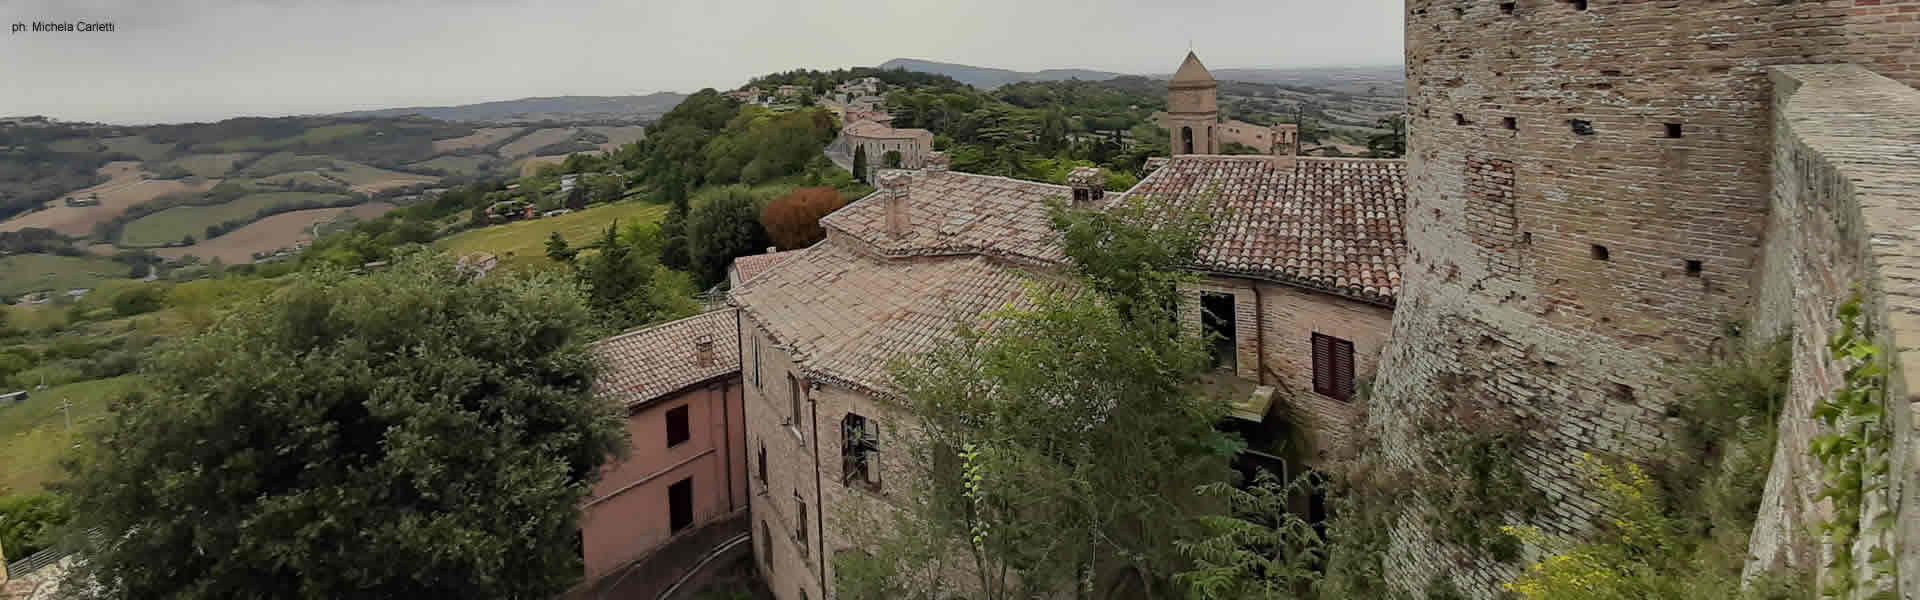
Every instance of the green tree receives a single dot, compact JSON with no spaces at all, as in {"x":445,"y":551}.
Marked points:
{"x":139,"y":300}
{"x":720,"y":230}
{"x":1259,"y":549}
{"x":30,"y":523}
{"x":1393,"y":143}
{"x":673,"y":229}
{"x":1063,"y":445}
{"x":356,"y":436}
{"x":557,"y":249}
{"x":620,"y":278}
{"x":891,"y":159}
{"x":860,"y":163}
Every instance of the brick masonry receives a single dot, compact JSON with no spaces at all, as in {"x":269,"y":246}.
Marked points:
{"x":1640,"y":142}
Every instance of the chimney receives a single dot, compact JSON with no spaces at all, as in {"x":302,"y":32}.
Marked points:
{"x":703,"y":351}
{"x":1089,"y":186}
{"x":1286,"y":145}
{"x":893,"y":187}
{"x":938,"y":161}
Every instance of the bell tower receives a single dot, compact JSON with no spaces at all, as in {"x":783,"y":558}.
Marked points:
{"x":1193,"y":109}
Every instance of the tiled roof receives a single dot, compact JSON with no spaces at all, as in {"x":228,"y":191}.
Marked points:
{"x":846,"y":315}
{"x":1191,"y":71}
{"x":746,"y":267}
{"x":650,"y":362}
{"x":872,"y":129}
{"x":959,"y":213}
{"x":1329,"y":224}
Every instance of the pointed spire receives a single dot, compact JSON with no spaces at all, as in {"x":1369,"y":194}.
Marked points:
{"x":1191,"y":71}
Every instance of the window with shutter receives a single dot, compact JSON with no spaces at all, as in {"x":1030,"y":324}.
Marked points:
{"x":1332,"y":367}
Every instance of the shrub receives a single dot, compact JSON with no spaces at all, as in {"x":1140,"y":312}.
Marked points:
{"x":139,"y":300}
{"x":793,"y":220}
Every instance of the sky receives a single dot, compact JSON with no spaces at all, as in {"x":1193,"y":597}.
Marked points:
{"x":204,"y":60}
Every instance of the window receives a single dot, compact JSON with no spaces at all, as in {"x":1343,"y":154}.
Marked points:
{"x":1599,"y":252}
{"x":1675,"y":130}
{"x":1579,"y":4}
{"x":1693,"y":268}
{"x":1581,"y":127}
{"x":756,"y":362}
{"x":763,"y":463}
{"x":1217,"y":324}
{"x":680,"y":505}
{"x":793,"y":392}
{"x":801,"y":531}
{"x":1511,"y":123}
{"x":1332,"y":367}
{"x":677,"y":433}
{"x":1459,"y":119}
{"x":859,"y":450}
{"x":1506,"y":7}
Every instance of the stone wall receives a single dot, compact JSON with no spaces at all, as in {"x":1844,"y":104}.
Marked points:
{"x":794,"y":567}
{"x":1844,"y":192}
{"x":1627,"y":237}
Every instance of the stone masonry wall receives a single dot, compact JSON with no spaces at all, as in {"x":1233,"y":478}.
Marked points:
{"x":1639,"y":142}
{"x":794,"y":568}
{"x":1843,"y":196}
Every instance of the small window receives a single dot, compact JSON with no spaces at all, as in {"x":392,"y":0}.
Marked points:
{"x":1599,"y":252}
{"x":1674,"y":130}
{"x":1506,"y":7}
{"x":763,"y":463}
{"x":1693,"y":268}
{"x":680,"y":505}
{"x":793,"y":393}
{"x":1217,"y":324}
{"x":1511,"y":123}
{"x":766,"y":544}
{"x":859,"y":449}
{"x":677,"y":433}
{"x":1579,"y":4}
{"x":1581,"y":126}
{"x":1332,"y":367}
{"x":801,"y":512}
{"x":1459,"y":119}
{"x":756,"y":361}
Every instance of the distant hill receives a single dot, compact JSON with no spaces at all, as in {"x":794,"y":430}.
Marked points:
{"x":533,"y":110}
{"x":988,"y":78}
{"x":1383,"y":81}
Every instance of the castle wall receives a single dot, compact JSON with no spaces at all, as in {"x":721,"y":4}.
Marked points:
{"x":1588,"y":195}
{"x":1842,"y":179}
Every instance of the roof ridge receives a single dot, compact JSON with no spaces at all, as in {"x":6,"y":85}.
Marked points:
{"x":647,"y":328}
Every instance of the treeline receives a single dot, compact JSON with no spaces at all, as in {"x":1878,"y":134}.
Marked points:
{"x":382,"y":142}
{"x":109,"y":231}
{"x":36,"y":240}
{"x":822,"y":82}
{"x":217,"y":230}
{"x":33,"y":174}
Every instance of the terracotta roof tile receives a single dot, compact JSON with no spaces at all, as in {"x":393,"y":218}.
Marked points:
{"x":746,"y":267}
{"x":960,"y":213}
{"x":650,"y":362}
{"x":1331,"y":224}
{"x":876,"y":130}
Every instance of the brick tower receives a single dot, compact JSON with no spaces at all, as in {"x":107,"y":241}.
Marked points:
{"x":1193,"y":109}
{"x":1588,"y":195}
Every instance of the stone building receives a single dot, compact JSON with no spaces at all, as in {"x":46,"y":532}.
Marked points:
{"x":879,"y":139}
{"x":1299,"y":284}
{"x":1597,"y":189}
{"x":1193,"y":119}
{"x":680,"y":384}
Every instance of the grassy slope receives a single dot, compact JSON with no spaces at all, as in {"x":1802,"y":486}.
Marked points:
{"x":174,"y":223}
{"x":34,"y":435}
{"x":525,"y":242}
{"x":211,"y":165}
{"x":23,"y":273}
{"x":139,"y":146}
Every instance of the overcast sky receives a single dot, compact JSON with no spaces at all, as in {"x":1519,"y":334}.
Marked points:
{"x":201,"y":60}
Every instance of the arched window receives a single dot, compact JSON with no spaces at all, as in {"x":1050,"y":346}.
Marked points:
{"x":1186,"y":140}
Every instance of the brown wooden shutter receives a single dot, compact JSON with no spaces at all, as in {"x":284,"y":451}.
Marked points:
{"x":1343,"y":369}
{"x":1322,"y":365}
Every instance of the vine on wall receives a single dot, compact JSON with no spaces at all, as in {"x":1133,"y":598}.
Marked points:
{"x":1853,"y":453}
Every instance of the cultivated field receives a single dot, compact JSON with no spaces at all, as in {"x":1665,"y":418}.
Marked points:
{"x":172,"y":224}
{"x":525,"y":242}
{"x":619,"y":136}
{"x":27,"y":273}
{"x":34,"y":434}
{"x":285,"y":162}
{"x":457,"y":164}
{"x":73,"y":145}
{"x":139,"y":146}
{"x":366,"y":179}
{"x":298,"y":177}
{"x":533,"y":141}
{"x":272,"y":233}
{"x":125,"y":189}
{"x":211,"y":165}
{"x":480,"y":138}
{"x":533,"y":163}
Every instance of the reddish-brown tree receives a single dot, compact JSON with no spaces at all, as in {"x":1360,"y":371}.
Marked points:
{"x":793,"y":220}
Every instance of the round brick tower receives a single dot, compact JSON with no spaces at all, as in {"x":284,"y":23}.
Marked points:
{"x":1588,"y":192}
{"x":1193,"y":109}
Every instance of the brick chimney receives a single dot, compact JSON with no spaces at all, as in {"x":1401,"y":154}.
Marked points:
{"x":1286,"y":145}
{"x":893,"y":189}
{"x":703,"y":351}
{"x":938,"y":161}
{"x":1089,"y":185}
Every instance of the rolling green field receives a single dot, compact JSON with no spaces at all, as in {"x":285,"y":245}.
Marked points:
{"x":211,"y":165}
{"x":282,"y":162}
{"x":525,"y":242}
{"x":24,"y":273}
{"x":139,"y":146}
{"x":34,"y":434}
{"x":172,"y":224}
{"x":363,"y":175}
{"x":299,"y":177}
{"x":456,"y":164}
{"x":74,"y":145}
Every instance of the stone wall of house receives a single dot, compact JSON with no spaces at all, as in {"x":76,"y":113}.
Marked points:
{"x":1274,"y":327}
{"x":793,"y":569}
{"x":1843,"y":188}
{"x":1588,"y":193}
